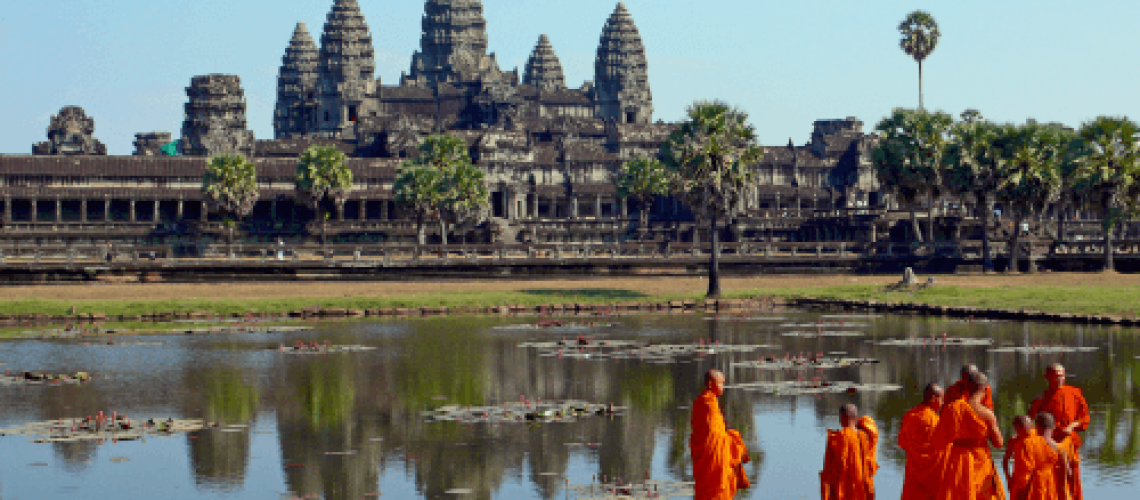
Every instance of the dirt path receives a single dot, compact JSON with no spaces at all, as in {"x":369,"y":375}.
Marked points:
{"x":647,"y":285}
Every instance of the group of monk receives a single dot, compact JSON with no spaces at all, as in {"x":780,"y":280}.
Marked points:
{"x":946,"y":439}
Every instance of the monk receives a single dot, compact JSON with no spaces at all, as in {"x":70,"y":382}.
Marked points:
{"x":1071,"y":411}
{"x":914,"y":439}
{"x":1022,"y":429}
{"x":718,"y":453}
{"x":958,"y":389}
{"x":850,"y":462}
{"x":1038,"y":461}
{"x":967,"y":469}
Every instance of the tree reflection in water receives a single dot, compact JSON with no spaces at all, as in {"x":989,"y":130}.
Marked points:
{"x":220,"y":460}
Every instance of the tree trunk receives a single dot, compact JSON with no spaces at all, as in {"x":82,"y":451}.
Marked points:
{"x":914,"y":224}
{"x":930,"y":218}
{"x":1014,"y":246}
{"x":920,"y":84}
{"x":987,"y":258}
{"x":714,"y":262}
{"x":643,"y":215}
{"x":421,"y":238}
{"x":443,"y":231}
{"x":1108,"y":264}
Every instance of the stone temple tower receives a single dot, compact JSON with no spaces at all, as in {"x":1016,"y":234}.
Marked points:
{"x":296,"y":86}
{"x":344,"y":75}
{"x":215,"y":117}
{"x":543,"y":70}
{"x":621,"y":75}
{"x":453,"y":47}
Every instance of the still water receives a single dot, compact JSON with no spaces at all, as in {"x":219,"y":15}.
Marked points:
{"x":299,"y":409}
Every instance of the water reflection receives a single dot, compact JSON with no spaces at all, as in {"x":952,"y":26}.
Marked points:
{"x":348,"y":424}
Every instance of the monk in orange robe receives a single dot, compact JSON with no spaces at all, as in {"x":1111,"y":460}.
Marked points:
{"x":914,"y":438}
{"x":967,"y":469}
{"x":1069,"y":408}
{"x":958,"y":389}
{"x":1023,"y":429}
{"x":850,"y":461}
{"x":1038,"y":460}
{"x":718,"y":453}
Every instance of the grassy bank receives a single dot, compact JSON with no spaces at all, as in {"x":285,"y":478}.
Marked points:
{"x":1119,"y":301}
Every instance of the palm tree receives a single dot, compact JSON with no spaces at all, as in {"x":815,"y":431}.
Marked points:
{"x":1110,"y":172}
{"x":1030,"y":178}
{"x":1071,"y":196}
{"x":441,"y":182}
{"x":974,"y":160}
{"x":910,"y":158}
{"x":323,"y":173}
{"x":919,"y":37}
{"x":709,"y":156}
{"x":643,"y":179}
{"x":229,"y":184}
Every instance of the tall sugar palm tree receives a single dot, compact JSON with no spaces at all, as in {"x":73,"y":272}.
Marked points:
{"x":1030,"y":176}
{"x":910,"y":157}
{"x":323,"y":174}
{"x":919,"y":37}
{"x":643,"y":179}
{"x":709,"y":156}
{"x":1110,"y":172}
{"x":974,"y":160}
{"x":229,"y":184}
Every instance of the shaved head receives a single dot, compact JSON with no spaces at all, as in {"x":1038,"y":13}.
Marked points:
{"x":977,"y":382}
{"x":1045,"y":420}
{"x":967,"y":370}
{"x":1054,"y":368}
{"x":1055,"y":374}
{"x":933,"y":396}
{"x":849,"y":413}
{"x":1022,"y":422}
{"x":714,"y":381}
{"x":712,"y":375}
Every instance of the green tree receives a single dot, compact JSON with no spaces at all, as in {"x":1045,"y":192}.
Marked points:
{"x":442,"y":183}
{"x":919,"y":37}
{"x":1071,"y":193}
{"x":1030,"y":177}
{"x":229,"y":184}
{"x":910,"y":158}
{"x":323,"y":174}
{"x":643,"y":179}
{"x":709,"y":156}
{"x":1110,"y":172}
{"x":974,"y":159}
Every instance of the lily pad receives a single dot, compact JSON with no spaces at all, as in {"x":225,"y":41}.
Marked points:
{"x":822,"y":333}
{"x":937,"y":342}
{"x":814,"y":363}
{"x":523,"y":412}
{"x":1045,"y":349}
{"x":800,"y":387}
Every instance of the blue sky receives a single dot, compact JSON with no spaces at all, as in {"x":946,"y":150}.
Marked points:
{"x":787,"y":63}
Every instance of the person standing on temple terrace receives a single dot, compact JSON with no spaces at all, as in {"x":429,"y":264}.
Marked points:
{"x":914,"y":438}
{"x":718,"y":452}
{"x":850,"y":462}
{"x":1071,"y":411}
{"x":959,"y":391}
{"x":965,"y":429}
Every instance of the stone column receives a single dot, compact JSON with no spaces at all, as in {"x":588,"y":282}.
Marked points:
{"x":574,"y":207}
{"x":133,"y":218}
{"x":340,"y":212}
{"x":534,"y":207}
{"x":35,"y":210}
{"x":7,"y":209}
{"x":203,"y":214}
{"x":106,"y":210}
{"x":83,"y":210}
{"x":178,"y":210}
{"x":154,"y":218}
{"x":598,"y":206}
{"x":363,"y":214}
{"x":384,"y":210}
{"x":58,"y":210}
{"x":625,"y":208}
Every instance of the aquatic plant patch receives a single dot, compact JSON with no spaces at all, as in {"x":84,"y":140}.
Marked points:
{"x":70,"y":430}
{"x":617,"y":489}
{"x":800,"y":387}
{"x":804,"y":363}
{"x":821,"y":333}
{"x":937,"y":341}
{"x":524,"y":411}
{"x":1045,"y":349}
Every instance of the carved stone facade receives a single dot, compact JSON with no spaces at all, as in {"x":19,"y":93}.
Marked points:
{"x":297,"y":86}
{"x":543,"y":70}
{"x":344,"y":74}
{"x":621,"y":73}
{"x":215,"y":117}
{"x":71,"y":132}
{"x":151,"y":143}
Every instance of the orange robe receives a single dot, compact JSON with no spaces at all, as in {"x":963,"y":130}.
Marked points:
{"x":915,"y":432}
{"x":1012,"y":447}
{"x":1067,"y":405}
{"x":967,"y":468}
{"x":850,"y":462}
{"x":717,"y":452}
{"x":959,"y":391}
{"x":1035,"y":469}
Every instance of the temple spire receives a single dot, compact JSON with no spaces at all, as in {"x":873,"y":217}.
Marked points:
{"x":346,"y":67}
{"x":621,"y":75}
{"x":296,"y":86}
{"x":543,"y":70}
{"x":453,"y":47}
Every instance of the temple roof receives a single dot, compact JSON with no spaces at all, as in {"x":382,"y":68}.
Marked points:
{"x":543,"y":70}
{"x":346,"y":44}
{"x":620,"y":63}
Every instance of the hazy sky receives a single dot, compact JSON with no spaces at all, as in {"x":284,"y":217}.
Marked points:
{"x":787,"y":63}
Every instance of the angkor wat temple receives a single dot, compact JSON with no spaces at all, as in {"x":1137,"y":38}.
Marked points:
{"x":550,"y":151}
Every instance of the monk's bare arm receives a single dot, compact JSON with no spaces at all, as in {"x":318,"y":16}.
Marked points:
{"x":995,"y":432}
{"x":1005,"y":462}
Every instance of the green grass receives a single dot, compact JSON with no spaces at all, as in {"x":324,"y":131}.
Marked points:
{"x":129,"y":327}
{"x":1123,"y":301}
{"x":281,"y":305}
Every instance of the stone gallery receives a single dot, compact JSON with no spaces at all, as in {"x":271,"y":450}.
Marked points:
{"x":550,"y":151}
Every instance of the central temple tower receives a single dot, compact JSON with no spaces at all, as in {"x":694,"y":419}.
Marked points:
{"x":344,"y":76}
{"x":453,"y":46}
{"x":621,"y":74}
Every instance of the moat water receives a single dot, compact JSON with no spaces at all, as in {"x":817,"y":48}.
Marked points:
{"x":351,"y":425}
